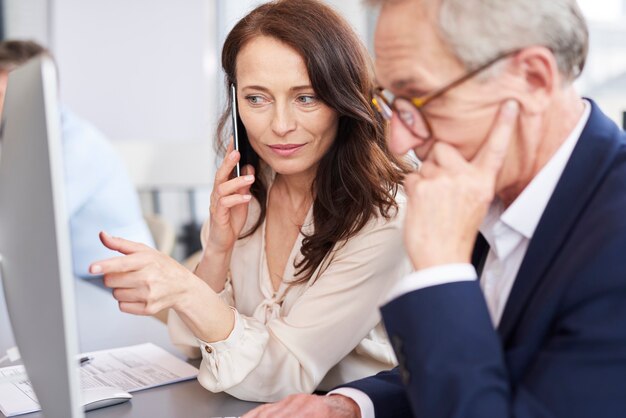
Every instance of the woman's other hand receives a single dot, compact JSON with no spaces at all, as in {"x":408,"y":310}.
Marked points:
{"x":229,"y":204}
{"x":228,"y":214}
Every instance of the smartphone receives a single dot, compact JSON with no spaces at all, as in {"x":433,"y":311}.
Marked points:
{"x":240,"y":136}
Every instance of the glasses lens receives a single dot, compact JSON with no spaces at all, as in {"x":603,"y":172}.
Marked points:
{"x":412,"y":118}
{"x":381,"y":105}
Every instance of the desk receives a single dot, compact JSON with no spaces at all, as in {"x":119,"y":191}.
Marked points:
{"x":101,"y":326}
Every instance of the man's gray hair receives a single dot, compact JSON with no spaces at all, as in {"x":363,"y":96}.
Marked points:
{"x":479,"y":30}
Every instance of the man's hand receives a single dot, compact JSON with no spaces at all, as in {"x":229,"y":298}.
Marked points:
{"x":308,"y":406}
{"x":449,"y":197}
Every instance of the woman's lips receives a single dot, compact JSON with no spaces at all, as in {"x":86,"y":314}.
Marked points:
{"x":285,"y":150}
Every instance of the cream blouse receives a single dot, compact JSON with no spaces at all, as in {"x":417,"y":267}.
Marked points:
{"x":301,"y":338}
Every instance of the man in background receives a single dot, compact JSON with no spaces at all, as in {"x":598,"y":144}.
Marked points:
{"x":528,"y":318}
{"x":100,"y":195}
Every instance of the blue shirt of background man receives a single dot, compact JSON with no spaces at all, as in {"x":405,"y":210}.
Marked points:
{"x":99,"y":193}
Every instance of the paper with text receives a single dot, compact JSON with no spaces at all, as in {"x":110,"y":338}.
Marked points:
{"x":131,"y":368}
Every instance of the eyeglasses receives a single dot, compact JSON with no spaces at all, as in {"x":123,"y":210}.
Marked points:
{"x":409,"y":110}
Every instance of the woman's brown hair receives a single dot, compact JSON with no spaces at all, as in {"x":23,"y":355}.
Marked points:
{"x":358,"y":177}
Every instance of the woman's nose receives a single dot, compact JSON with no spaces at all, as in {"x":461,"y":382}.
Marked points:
{"x":283,"y":120}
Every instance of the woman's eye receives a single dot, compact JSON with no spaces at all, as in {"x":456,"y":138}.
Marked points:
{"x":255,"y":100}
{"x":307,"y":99}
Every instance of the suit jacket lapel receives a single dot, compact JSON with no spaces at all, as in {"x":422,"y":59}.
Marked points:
{"x":588,"y":164}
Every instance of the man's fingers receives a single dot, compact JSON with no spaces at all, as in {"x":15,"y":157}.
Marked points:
{"x":256,"y":412}
{"x":281,"y":409}
{"x":428,"y":169}
{"x":446,"y":157}
{"x":121,"y":245}
{"x":411,"y":180}
{"x":307,"y":406}
{"x":491,"y":155}
{"x":275,"y":410}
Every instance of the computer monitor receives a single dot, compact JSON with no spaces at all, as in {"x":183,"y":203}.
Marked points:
{"x":34,"y":238}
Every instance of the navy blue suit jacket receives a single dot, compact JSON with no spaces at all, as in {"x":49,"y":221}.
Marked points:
{"x":560,"y":348}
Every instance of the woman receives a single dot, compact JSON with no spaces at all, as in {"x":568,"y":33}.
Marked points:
{"x":299,"y":250}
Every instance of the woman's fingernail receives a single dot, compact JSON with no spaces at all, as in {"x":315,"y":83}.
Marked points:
{"x":247,"y":197}
{"x":249,"y":178}
{"x":96,"y":269}
{"x":233,"y":155}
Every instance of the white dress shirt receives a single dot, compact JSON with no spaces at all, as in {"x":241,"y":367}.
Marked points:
{"x":508,"y":232}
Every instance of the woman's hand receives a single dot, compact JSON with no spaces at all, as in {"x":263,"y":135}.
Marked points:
{"x":228,"y":214}
{"x":144,"y":280}
{"x":229,"y":204}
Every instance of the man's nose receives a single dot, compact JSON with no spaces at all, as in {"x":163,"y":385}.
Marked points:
{"x":401,"y":140}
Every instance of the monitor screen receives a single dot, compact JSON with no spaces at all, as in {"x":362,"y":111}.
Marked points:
{"x":34,"y":238}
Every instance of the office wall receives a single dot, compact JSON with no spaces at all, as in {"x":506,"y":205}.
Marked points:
{"x":229,"y":12}
{"x":28,"y":19}
{"x":140,"y":69}
{"x":146,"y":72}
{"x":604,"y":78}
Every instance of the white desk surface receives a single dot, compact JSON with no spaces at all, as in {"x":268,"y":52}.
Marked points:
{"x":101,"y":326}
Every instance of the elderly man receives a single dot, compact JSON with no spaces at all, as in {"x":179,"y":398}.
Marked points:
{"x":482,"y":91}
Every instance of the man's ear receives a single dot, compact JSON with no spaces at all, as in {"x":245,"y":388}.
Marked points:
{"x":537,"y":78}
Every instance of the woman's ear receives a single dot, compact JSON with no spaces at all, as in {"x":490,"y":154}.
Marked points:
{"x":537,"y":78}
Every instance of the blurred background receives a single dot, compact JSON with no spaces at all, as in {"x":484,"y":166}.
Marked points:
{"x":147,"y":73}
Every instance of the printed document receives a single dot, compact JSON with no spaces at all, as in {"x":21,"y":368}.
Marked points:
{"x":131,"y":368}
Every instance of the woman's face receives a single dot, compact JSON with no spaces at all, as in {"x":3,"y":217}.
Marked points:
{"x":287,"y":125}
